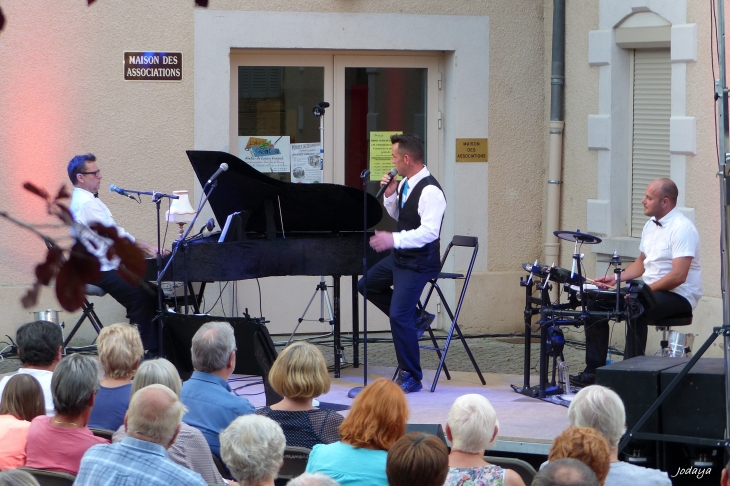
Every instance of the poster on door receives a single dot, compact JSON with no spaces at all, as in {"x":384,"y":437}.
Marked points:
{"x":306,"y":163}
{"x":381,"y":158}
{"x":265,"y":154}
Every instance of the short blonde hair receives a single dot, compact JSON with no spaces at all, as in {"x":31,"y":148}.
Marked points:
{"x":300,"y":371}
{"x":120,"y":349}
{"x":472,"y":421}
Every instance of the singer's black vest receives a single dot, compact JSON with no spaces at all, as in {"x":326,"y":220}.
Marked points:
{"x":428,"y":257}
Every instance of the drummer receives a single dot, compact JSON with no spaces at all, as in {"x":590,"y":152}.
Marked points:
{"x":669,"y":263}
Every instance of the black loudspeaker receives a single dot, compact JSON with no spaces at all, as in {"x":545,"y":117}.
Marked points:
{"x":637,"y":382}
{"x":433,"y":429}
{"x":254,"y":355}
{"x":696,"y":408}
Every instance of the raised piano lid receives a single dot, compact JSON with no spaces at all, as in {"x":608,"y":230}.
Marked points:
{"x":304,"y":207}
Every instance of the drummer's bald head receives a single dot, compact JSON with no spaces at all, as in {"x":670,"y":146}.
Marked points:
{"x":667,"y":189}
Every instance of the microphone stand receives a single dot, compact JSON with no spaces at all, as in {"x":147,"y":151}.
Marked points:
{"x":175,"y":249}
{"x":365,"y":176}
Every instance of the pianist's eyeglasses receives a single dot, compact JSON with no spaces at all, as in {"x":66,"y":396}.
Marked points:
{"x":94,"y":173}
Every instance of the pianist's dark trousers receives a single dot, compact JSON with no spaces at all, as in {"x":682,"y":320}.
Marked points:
{"x":597,"y":333}
{"x":140,"y":305}
{"x":399,"y":304}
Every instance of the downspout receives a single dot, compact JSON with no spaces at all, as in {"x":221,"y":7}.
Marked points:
{"x":555,"y":162}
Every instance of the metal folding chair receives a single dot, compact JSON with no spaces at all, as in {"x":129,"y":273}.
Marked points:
{"x":465,"y":242}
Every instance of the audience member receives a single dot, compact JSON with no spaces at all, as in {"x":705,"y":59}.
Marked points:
{"x":22,"y":401}
{"x":585,"y":444}
{"x":152,"y":423}
{"x":16,"y":477}
{"x":300,"y":374}
{"x":472,"y":427}
{"x":120,"y":350}
{"x":725,"y":479}
{"x":417,"y":458}
{"x":566,"y":472}
{"x":40,"y":346}
{"x":190,"y":449}
{"x":376,"y":420}
{"x":207,"y":395}
{"x":316,"y":479}
{"x":59,"y":442}
{"x":253,"y":449}
{"x":602,"y":409}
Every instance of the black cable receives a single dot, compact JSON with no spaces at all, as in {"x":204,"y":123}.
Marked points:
{"x":167,"y":224}
{"x":219,"y":298}
{"x":261,"y":308}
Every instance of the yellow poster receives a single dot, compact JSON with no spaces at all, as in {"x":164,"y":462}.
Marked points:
{"x":381,"y":158}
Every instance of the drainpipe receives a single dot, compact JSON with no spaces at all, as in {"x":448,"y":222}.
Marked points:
{"x":555,"y":162}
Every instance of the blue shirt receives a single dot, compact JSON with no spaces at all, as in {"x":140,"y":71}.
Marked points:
{"x":211,"y":406}
{"x":110,"y":406}
{"x":348,"y":465}
{"x":133,"y":462}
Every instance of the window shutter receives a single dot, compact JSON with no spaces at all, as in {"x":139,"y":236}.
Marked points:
{"x":650,"y":134}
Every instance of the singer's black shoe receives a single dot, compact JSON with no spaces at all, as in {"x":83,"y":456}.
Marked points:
{"x":407,"y":383}
{"x":583,"y":379}
{"x":423,"y":321}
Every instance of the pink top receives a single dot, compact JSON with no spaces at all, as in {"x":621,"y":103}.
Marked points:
{"x":56,"y":448}
{"x":13,"y":433}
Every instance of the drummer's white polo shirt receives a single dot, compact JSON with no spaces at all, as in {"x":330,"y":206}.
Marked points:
{"x":676,"y":237}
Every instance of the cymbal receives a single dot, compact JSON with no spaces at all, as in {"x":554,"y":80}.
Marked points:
{"x":617,"y":261}
{"x":577,"y":236}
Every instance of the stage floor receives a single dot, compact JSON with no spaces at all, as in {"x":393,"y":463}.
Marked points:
{"x":526,"y":425}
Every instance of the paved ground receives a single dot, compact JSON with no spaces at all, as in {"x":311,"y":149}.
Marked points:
{"x":502,"y":355}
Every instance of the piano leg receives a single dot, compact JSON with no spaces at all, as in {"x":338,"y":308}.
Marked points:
{"x":337,"y":337}
{"x":355,"y":324}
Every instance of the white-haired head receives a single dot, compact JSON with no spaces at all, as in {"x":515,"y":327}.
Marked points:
{"x":602,"y":409}
{"x":473,"y":424}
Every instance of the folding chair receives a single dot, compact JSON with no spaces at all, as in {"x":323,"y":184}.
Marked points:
{"x":523,"y":468}
{"x":88,"y":312}
{"x":466,"y":242}
{"x":295,"y":462}
{"x":46,"y":477}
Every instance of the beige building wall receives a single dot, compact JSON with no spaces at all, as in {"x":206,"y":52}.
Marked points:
{"x":62,"y":93}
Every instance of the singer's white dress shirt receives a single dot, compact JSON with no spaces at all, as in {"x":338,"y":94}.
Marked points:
{"x":431,"y":207}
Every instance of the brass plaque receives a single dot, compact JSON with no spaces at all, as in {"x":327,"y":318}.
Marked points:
{"x":472,"y":150}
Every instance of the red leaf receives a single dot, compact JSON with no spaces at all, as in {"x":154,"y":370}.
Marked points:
{"x":91,"y":1}
{"x":45,"y":271}
{"x":64,"y":214}
{"x":202,"y":3}
{"x":63,"y":193}
{"x":31,"y":297}
{"x":133,"y":265}
{"x":81,"y":268}
{"x":2,"y":19}
{"x":39,"y":191}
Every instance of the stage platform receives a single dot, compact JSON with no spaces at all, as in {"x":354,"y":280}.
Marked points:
{"x":526,"y":425}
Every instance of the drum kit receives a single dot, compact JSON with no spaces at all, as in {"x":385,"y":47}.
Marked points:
{"x":579,"y":302}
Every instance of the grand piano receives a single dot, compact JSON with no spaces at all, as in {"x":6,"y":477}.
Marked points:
{"x":284,"y":229}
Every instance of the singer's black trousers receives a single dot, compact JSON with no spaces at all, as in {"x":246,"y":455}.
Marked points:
{"x":598,"y":332}
{"x":395,"y":290}
{"x":141,"y":306}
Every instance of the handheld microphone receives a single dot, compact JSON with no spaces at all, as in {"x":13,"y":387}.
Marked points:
{"x":205,"y":230}
{"x":221,"y":169}
{"x":393,"y":173}
{"x":119,"y":190}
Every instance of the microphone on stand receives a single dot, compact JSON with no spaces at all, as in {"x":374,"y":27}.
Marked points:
{"x":205,"y":230}
{"x":393,"y":172}
{"x":121,"y":191}
{"x":223,"y":167}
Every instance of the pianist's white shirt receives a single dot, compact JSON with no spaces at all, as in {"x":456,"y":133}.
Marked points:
{"x":87,"y":209}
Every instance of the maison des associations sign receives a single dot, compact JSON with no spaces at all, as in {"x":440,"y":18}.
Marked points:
{"x":153,"y":66}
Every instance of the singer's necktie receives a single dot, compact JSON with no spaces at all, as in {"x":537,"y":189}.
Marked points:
{"x":403,"y":196}
{"x":656,"y":222}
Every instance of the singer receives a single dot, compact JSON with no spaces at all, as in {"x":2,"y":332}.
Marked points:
{"x":87,"y":208}
{"x":395,"y":283}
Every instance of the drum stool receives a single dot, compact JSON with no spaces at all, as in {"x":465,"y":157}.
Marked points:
{"x":665,"y":326}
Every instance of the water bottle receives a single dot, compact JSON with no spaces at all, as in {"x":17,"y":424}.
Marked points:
{"x":608,"y":357}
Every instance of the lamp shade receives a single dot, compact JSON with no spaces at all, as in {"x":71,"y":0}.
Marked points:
{"x":180,"y":209}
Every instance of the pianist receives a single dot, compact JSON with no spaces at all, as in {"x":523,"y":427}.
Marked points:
{"x":669,"y":263}
{"x":418,"y":204}
{"x":87,"y":208}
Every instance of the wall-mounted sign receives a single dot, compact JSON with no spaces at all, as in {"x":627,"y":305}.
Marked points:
{"x":153,"y":66}
{"x":471,"y":150}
